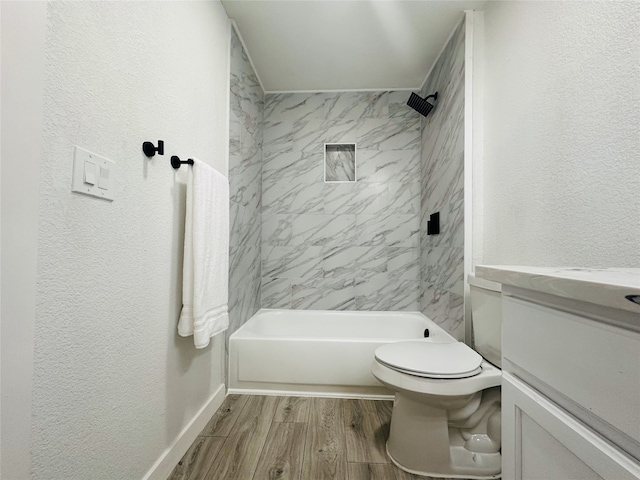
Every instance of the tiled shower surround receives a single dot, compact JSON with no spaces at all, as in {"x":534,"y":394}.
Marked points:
{"x":442,"y":175}
{"x":245,"y":173}
{"x":343,"y":246}
{"x":298,"y":242}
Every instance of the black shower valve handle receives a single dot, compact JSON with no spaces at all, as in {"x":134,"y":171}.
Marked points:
{"x":150,"y":149}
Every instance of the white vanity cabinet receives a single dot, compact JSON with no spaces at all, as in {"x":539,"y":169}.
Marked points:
{"x":571,"y":376}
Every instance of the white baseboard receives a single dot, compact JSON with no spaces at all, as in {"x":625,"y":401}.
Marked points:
{"x":305,"y":393}
{"x":172,"y":455}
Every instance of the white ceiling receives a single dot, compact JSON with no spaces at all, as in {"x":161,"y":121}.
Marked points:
{"x":345,"y":44}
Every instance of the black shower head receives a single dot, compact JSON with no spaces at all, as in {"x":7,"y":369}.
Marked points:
{"x":420,"y":104}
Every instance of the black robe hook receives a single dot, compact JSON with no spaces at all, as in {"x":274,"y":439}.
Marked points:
{"x":150,"y":150}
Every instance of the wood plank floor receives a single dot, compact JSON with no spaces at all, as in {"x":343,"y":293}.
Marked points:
{"x":295,"y":438}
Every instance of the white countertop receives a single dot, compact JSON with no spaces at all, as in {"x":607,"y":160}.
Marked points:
{"x":602,"y":286}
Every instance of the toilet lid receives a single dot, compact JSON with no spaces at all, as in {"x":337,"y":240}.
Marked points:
{"x":431,"y":360}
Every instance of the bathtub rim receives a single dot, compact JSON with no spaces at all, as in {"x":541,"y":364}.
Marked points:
{"x":240,"y":333}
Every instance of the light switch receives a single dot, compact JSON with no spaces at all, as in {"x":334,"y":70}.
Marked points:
{"x":103,"y":182}
{"x":89,"y":172}
{"x":93,"y":175}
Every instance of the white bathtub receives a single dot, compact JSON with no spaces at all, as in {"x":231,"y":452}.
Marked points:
{"x":318,"y":352}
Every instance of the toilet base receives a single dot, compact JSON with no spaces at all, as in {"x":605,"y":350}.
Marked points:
{"x":420,"y":442}
{"x":462,"y":457}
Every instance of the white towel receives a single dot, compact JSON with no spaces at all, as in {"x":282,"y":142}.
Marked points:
{"x":205,"y":291}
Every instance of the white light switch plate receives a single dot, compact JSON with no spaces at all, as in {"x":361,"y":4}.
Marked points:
{"x":97,"y":189}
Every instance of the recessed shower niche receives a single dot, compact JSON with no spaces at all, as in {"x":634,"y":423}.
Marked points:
{"x":339,"y":162}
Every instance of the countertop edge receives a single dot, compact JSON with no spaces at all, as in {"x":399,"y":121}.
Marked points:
{"x":551,"y":281}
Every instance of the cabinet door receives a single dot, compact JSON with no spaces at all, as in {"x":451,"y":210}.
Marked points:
{"x":540,"y":441}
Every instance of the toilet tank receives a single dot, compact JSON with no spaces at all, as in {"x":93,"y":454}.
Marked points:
{"x":486,"y":318}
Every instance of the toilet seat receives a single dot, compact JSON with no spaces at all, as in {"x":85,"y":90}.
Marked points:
{"x":430,"y":360}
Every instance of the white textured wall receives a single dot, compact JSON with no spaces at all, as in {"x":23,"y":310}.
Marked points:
{"x":562,"y":134}
{"x":114,"y":384}
{"x":23,"y":32}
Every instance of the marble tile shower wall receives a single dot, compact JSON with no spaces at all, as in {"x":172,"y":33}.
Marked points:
{"x":245,"y":173}
{"x":342,"y":246}
{"x":442,"y":175}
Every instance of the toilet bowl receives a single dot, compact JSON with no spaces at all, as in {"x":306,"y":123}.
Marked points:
{"x":446,"y":414}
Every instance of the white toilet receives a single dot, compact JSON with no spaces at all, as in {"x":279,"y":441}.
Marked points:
{"x":446,"y":415}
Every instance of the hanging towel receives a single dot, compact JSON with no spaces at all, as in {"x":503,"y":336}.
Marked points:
{"x":205,"y":290}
